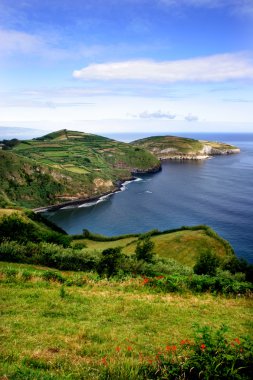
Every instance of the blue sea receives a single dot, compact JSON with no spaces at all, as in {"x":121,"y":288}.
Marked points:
{"x":217,"y":192}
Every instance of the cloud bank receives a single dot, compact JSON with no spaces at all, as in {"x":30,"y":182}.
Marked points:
{"x":215,"y":68}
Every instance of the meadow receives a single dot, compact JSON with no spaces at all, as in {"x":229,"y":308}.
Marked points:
{"x":101,"y":328}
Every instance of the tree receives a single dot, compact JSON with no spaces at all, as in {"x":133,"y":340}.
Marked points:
{"x":110,"y":261}
{"x":145,"y":250}
{"x":207,"y":263}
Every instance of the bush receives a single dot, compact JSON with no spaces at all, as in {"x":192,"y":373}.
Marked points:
{"x":211,"y":355}
{"x":12,"y":251}
{"x":235,"y":265}
{"x":111,"y":262}
{"x":53,"y":276}
{"x":207,"y":263}
{"x":145,"y":250}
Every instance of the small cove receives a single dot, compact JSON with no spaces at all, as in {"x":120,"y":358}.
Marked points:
{"x":216,"y":192}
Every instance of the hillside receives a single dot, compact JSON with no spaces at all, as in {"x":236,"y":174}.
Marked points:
{"x":71,"y":317}
{"x":181,"y":148}
{"x":112,"y":330}
{"x":67,"y":166}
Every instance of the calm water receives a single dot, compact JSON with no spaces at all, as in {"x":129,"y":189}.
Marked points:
{"x":217,"y":192}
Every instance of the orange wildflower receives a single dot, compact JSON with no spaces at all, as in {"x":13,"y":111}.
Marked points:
{"x":118,"y":349}
{"x":203,"y":346}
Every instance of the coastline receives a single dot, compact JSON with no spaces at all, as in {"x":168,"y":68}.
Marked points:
{"x":85,"y":201}
{"x":82,"y":201}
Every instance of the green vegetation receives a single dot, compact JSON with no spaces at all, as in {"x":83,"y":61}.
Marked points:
{"x":93,"y":307}
{"x":66,"y":166}
{"x":69,"y":325}
{"x":166,"y":147}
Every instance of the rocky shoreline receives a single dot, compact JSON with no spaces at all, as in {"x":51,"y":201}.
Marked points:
{"x":82,"y":201}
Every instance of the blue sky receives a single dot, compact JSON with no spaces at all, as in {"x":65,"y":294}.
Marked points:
{"x":127,"y":65}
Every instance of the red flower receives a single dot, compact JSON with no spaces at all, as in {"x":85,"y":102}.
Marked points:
{"x":203,"y":346}
{"x":237,"y":340}
{"x":104,"y":361}
{"x":118,"y":349}
{"x":129,"y":348}
{"x":174,"y":348}
{"x":145,"y":281}
{"x":168,"y":348}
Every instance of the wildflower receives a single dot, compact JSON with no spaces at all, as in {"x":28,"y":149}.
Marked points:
{"x":118,"y":349}
{"x":145,"y":281}
{"x":184,"y":342}
{"x":129,"y":348}
{"x":104,"y":361}
{"x":168,"y":348}
{"x":237,"y":340}
{"x":150,"y":361}
{"x":203,"y":346}
{"x":174,"y":348}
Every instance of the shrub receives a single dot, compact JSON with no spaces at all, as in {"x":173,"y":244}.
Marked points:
{"x":145,"y":250}
{"x":12,"y":251}
{"x":52,"y":276}
{"x":207,"y":263}
{"x":235,"y":265}
{"x":14,"y":227}
{"x":110,"y":262}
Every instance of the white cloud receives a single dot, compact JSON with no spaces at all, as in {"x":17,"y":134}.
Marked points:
{"x":216,"y":68}
{"x":46,"y":46}
{"x":191,"y":117}
{"x":156,"y":115}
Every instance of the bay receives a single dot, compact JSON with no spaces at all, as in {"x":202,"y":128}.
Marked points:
{"x":216,"y":192}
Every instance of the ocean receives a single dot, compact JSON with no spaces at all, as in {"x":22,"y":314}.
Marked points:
{"x":217,"y":192}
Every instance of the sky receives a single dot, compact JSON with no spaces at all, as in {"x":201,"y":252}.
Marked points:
{"x":127,"y":65}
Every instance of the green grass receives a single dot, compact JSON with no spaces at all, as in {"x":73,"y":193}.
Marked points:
{"x":47,"y":331}
{"x":160,"y":145}
{"x":183,"y":246}
{"x":65,"y":164}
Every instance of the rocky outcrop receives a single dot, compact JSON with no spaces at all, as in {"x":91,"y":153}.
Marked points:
{"x":154,"y":169}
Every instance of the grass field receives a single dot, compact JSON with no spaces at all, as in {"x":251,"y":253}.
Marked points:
{"x":183,"y":246}
{"x":51,"y":332}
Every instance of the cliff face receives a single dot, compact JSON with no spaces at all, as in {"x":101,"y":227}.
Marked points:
{"x":179,"y":148}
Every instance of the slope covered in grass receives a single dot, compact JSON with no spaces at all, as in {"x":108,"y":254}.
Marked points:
{"x":172,"y":147}
{"x":67,"y":166}
{"x":183,"y":245}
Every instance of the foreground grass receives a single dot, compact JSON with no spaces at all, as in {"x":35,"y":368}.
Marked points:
{"x":51,"y":332}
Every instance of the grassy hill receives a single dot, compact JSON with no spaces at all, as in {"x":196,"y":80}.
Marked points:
{"x":172,"y":147}
{"x":66,"y":166}
{"x":78,"y":323}
{"x":183,"y":245}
